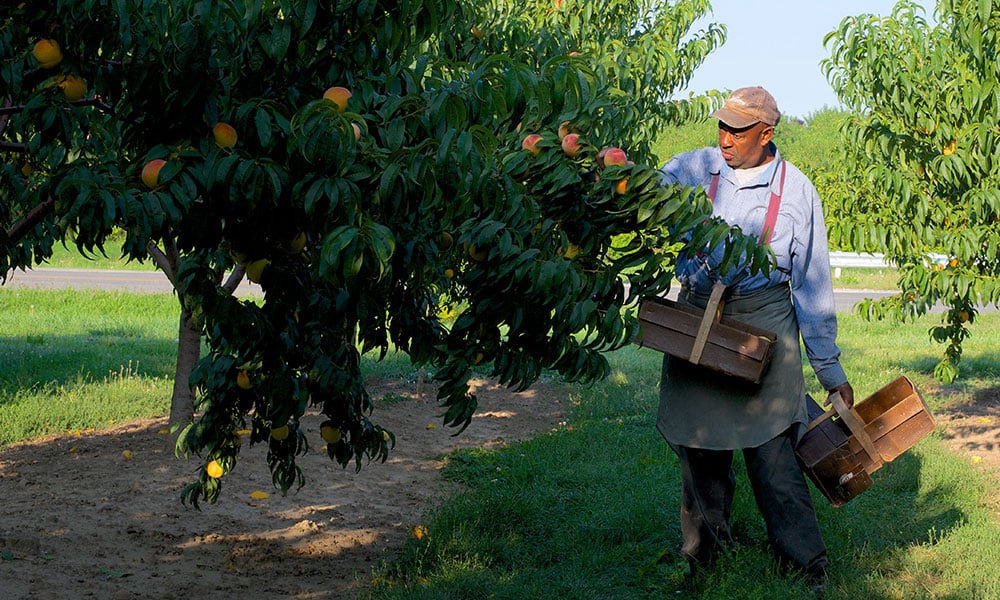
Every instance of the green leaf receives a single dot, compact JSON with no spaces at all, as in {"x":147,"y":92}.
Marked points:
{"x":276,"y":44}
{"x":387,"y":182}
{"x":262,"y":120}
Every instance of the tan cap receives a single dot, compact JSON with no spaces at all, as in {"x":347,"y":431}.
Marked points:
{"x":747,"y":106}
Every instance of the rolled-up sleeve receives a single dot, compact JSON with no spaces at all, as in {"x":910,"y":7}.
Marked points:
{"x":692,"y":169}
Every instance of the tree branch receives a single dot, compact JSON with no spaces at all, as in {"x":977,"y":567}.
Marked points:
{"x":9,"y":109}
{"x":234,"y":279}
{"x":34,"y":216}
{"x":161,"y":260}
{"x":11,"y":146}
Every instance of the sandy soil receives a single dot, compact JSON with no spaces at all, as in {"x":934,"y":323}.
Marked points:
{"x":973,"y":429}
{"x":80,"y":520}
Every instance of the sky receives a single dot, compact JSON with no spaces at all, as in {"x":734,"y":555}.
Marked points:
{"x":779,"y":44}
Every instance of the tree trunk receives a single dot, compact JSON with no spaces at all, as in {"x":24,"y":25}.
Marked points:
{"x":188,"y":342}
{"x":188,"y":353}
{"x":188,"y":334}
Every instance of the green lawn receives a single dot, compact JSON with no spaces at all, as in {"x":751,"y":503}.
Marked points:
{"x":70,"y":258}
{"x":866,"y":279}
{"x":82,"y":359}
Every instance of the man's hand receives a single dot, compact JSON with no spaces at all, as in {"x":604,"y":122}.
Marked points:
{"x":846,"y":394}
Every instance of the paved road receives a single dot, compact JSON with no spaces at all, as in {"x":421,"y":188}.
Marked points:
{"x":154,"y":282}
{"x":143,"y":282}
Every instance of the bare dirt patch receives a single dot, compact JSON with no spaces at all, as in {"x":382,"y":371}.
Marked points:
{"x":973,"y":428}
{"x":80,"y":520}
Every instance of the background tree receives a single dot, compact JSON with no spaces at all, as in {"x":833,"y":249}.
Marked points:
{"x":920,"y":149}
{"x":813,"y":144}
{"x":368,"y":163}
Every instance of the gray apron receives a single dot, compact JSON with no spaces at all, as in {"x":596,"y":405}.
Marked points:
{"x":702,"y":408}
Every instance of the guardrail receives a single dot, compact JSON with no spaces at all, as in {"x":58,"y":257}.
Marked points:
{"x":870,"y":261}
{"x":857,"y":260}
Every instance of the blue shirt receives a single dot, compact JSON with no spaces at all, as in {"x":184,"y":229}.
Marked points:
{"x":799,"y":243}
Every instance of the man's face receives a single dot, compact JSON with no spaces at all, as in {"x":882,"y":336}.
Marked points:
{"x":745,"y":148}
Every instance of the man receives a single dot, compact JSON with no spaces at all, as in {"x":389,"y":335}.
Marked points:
{"x":705,"y":416}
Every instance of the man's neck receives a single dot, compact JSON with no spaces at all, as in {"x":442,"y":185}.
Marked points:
{"x":751,"y":175}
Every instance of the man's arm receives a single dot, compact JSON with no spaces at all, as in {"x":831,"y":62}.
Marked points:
{"x":692,"y":168}
{"x":812,"y":288}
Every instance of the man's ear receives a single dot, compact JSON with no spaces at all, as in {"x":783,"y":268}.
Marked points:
{"x":765,"y":135}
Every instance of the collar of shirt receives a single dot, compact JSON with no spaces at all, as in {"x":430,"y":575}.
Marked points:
{"x":727,"y":172}
{"x":752,"y":175}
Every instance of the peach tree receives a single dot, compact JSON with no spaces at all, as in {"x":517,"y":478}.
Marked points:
{"x":921,"y":149}
{"x":367,"y":163}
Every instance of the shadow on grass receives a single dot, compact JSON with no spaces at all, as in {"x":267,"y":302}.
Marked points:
{"x":871,"y":538}
{"x":594,"y":508}
{"x":94,"y":355}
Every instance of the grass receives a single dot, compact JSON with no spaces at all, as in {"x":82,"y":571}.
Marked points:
{"x":865,"y":279}
{"x":73,"y":360}
{"x":81,"y":359}
{"x":590,"y":509}
{"x":586,"y":510}
{"x":70,"y":258}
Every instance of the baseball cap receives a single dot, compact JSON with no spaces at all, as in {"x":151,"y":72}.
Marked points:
{"x":747,"y":106}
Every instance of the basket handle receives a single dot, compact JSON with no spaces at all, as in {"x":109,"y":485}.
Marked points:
{"x":850,"y":418}
{"x":713,"y":311}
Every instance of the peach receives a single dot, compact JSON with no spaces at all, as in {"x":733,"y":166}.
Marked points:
{"x":615,"y":156}
{"x":224,"y":134}
{"x":530,"y":143}
{"x":339,"y":96}
{"x":151,"y":172}
{"x":571,"y":144}
{"x":47,"y":53}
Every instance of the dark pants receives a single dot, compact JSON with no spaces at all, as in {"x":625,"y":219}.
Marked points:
{"x":782,"y":495}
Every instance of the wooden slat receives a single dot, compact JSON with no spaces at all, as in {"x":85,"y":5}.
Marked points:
{"x":822,"y":439}
{"x":889,"y":395}
{"x":884,"y":423}
{"x":903,"y":437}
{"x":714,"y":356}
{"x":857,"y":427}
{"x":728,"y":334}
{"x":708,"y":320}
{"x":733,"y":348}
{"x":687,"y":320}
{"x":855,"y":448}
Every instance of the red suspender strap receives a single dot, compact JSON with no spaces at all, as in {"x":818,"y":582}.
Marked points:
{"x":772,"y":207}
{"x":714,"y":187}
{"x":772,"y":210}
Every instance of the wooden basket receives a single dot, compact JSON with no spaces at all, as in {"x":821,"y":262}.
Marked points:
{"x":844,"y":446}
{"x":705,"y":338}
